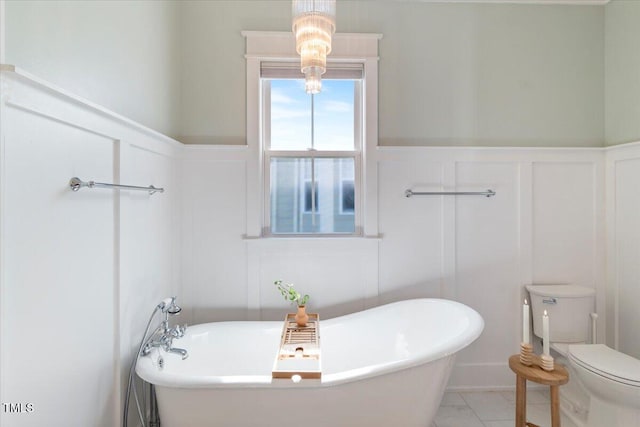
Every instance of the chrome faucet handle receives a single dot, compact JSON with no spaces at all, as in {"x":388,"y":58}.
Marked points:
{"x":146,"y":349}
{"x":181,"y":330}
{"x":178,"y":331}
{"x":168,"y":344}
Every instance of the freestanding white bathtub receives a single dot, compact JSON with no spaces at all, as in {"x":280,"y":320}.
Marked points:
{"x":386,"y":366}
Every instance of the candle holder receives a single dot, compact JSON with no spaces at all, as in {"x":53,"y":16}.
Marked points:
{"x":529,"y":358}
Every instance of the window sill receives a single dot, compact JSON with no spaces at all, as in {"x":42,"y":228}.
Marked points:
{"x":310,"y":238}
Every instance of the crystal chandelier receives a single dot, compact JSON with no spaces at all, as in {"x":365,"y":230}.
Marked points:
{"x":314,"y":22}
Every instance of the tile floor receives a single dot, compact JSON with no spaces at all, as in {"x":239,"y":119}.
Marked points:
{"x":493,"y":409}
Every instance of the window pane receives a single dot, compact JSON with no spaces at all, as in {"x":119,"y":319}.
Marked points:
{"x":310,"y":197}
{"x":348,"y":200}
{"x":299,"y":207}
{"x":333,"y":115}
{"x":290,"y":115}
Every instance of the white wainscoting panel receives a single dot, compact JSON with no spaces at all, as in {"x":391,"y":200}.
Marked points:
{"x":411,"y":252}
{"x":628,"y":254}
{"x":563,"y":223}
{"x":214,"y":222}
{"x":487,"y":261}
{"x":623,"y":206}
{"x":58,"y":276}
{"x":148,"y":241}
{"x":568,"y":236}
{"x":340,"y":274}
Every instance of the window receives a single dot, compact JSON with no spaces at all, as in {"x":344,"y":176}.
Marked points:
{"x":279,"y":162}
{"x":312,"y":150}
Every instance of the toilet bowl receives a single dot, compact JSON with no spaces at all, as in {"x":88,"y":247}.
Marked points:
{"x":574,"y":399}
{"x":612,"y":380}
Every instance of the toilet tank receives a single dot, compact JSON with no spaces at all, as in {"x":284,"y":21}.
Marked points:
{"x":568,"y":307}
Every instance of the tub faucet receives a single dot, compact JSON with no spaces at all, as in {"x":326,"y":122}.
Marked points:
{"x":167,"y":344}
{"x":164,"y":335}
{"x":165,"y":341}
{"x":181,"y":351}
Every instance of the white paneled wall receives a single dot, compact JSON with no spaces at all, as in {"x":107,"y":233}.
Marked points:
{"x":411,"y":253}
{"x":482,"y":251}
{"x":148,"y":242}
{"x":80,"y":272}
{"x":623,"y":247}
{"x":214,"y":254}
{"x":57,"y":297}
{"x":544,"y":224}
{"x":487,"y":258}
{"x":341,"y":275}
{"x":565,"y":222}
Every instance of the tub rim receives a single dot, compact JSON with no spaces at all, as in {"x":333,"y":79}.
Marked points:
{"x":149,"y":372}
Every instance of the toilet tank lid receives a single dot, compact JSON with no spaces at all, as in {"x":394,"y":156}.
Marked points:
{"x":561,"y":291}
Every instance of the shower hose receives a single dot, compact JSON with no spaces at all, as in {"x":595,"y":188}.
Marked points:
{"x":131,"y":382}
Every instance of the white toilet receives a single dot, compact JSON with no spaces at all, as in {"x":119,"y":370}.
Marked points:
{"x":604,"y":384}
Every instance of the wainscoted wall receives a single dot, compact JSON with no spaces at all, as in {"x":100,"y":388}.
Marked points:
{"x":623,"y":247}
{"x":80,"y":272}
{"x":545,"y":225}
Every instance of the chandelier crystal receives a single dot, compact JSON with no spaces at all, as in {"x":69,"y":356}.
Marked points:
{"x":314,"y":22}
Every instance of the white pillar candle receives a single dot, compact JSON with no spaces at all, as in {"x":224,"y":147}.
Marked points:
{"x":545,"y":334}
{"x":525,"y":322}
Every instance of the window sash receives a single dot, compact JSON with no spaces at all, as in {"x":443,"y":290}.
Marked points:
{"x":357,"y":122}
{"x":357,"y":164}
{"x":268,"y":154}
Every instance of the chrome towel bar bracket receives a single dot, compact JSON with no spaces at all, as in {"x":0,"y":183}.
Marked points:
{"x":76,"y":183}
{"x":488,"y":193}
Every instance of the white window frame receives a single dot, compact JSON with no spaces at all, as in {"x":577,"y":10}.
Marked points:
{"x":268,"y":154}
{"x":280,"y":46}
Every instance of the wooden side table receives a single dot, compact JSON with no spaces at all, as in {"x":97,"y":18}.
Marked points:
{"x":554,"y":379}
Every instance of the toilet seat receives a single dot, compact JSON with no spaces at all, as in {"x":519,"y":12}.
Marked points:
{"x":606,"y":362}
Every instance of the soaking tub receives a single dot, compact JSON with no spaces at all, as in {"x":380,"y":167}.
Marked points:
{"x":386,"y":366}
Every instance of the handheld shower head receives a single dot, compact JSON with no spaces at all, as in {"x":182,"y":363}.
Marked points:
{"x":174,"y":309}
{"x":168,"y":305}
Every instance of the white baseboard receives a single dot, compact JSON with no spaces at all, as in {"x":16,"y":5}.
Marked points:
{"x":481,"y":377}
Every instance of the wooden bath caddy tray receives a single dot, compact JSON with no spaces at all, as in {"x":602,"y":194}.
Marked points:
{"x":299,"y":352}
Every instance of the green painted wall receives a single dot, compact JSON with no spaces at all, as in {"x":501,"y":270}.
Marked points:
{"x":450,"y":74}
{"x":622,"y":71}
{"x":120,"y":54}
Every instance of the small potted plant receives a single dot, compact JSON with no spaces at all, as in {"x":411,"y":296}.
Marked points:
{"x":290,"y":294}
